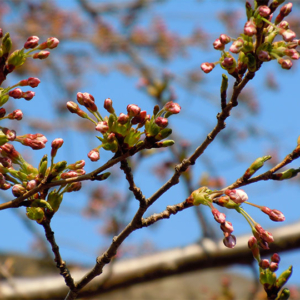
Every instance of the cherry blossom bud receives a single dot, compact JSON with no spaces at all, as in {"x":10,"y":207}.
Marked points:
{"x":16,"y":115}
{"x":228,"y":62}
{"x":288,"y":35}
{"x":273,"y":267}
{"x":207,"y":67}
{"x":264,"y":56}
{"x":6,"y":162}
{"x":2,"y":112}
{"x":31,"y":42}
{"x":275,"y":258}
{"x":74,"y":109}
{"x":140,"y":118}
{"x":249,"y":29}
{"x":16,"y":93}
{"x":229,"y":241}
{"x":285,"y":63}
{"x":56,"y":144}
{"x":283,"y":25}
{"x":218,"y":45}
{"x":264,"y":11}
{"x":108,"y":105}
{"x":28,"y":95}
{"x":77,"y":165}
{"x":264,"y":264}
{"x":74,"y":187}
{"x":237,"y":46}
{"x":73,"y":173}
{"x":161,"y":122}
{"x":102,"y":127}
{"x":253,"y":246}
{"x":123,"y":119}
{"x":33,"y":82}
{"x":133,"y":110}
{"x":284,"y":11}
{"x":267,"y":236}
{"x":172,"y":107}
{"x":274,"y":214}
{"x":41,"y":55}
{"x":226,"y":227}
{"x":225,"y":39}
{"x":238,"y":196}
{"x":8,"y":150}
{"x":10,"y":134}
{"x":18,"y":190}
{"x":52,"y":42}
{"x":94,"y":155}
{"x":219,"y":217}
{"x":31,"y":185}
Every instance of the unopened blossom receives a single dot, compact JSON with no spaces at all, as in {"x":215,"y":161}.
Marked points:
{"x":8,"y":150}
{"x":52,"y":42}
{"x":219,"y":217}
{"x":161,"y":122}
{"x":33,"y":82}
{"x":74,"y":187}
{"x":56,"y":144}
{"x":123,"y":119}
{"x":264,"y":56}
{"x":133,"y":110}
{"x":264,"y":264}
{"x":31,"y":42}
{"x":172,"y":107}
{"x":72,"y":173}
{"x":273,"y":267}
{"x":283,"y":25}
{"x":108,"y":105}
{"x":31,"y":185}
{"x":35,"y":141}
{"x":226,"y":227}
{"x":94,"y":155}
{"x":275,"y":258}
{"x":285,"y":63}
{"x":207,"y":67}
{"x":224,"y":38}
{"x":74,"y":109}
{"x":284,"y":12}
{"x":250,"y":29}
{"x":102,"y":127}
{"x":264,"y":11}
{"x":238,"y":196}
{"x":140,"y":118}
{"x":10,"y":134}
{"x":237,"y":46}
{"x":2,"y":112}
{"x":274,"y":214}
{"x":218,"y":45}
{"x":28,"y":95}
{"x":18,"y":190}
{"x":16,"y":93}
{"x":229,"y":241}
{"x":288,"y":35}
{"x":267,"y":236}
{"x":16,"y":115}
{"x":41,"y":55}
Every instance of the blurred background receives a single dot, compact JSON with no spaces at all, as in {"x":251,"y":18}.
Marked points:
{"x":148,"y":52}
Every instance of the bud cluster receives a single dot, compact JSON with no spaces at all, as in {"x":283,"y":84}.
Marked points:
{"x":118,"y":133}
{"x":256,"y":44}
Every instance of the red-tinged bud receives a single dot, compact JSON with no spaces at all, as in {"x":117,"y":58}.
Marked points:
{"x":56,"y":144}
{"x":259,"y":229}
{"x":286,"y":9}
{"x":94,"y":155}
{"x":264,"y":264}
{"x":6,"y":162}
{"x":73,"y":173}
{"x":18,"y":190}
{"x":133,"y":110}
{"x":273,"y":267}
{"x":8,"y":150}
{"x":161,"y":122}
{"x":288,"y":35}
{"x":292,"y":53}
{"x":111,"y":137}
{"x":16,"y":93}
{"x":31,"y":185}
{"x":52,"y":42}
{"x":219,"y":217}
{"x":31,"y":42}
{"x":33,"y":82}
{"x":28,"y":95}
{"x":72,"y":107}
{"x":140,"y":118}
{"x":123,"y":119}
{"x":172,"y":107}
{"x":2,"y":112}
{"x":276,"y":215}
{"x":238,"y":196}
{"x":35,"y":141}
{"x":250,"y":29}
{"x":34,"y":144}
{"x":285,"y":63}
{"x":10,"y":134}
{"x":23,"y":82}
{"x":227,"y":227}
{"x":102,"y":127}
{"x":264,"y":56}
{"x":207,"y":67}
{"x":80,"y":98}
{"x":74,"y":187}
{"x":275,"y":258}
{"x":267,"y":236}
{"x":5,"y":186}
{"x":229,"y":241}
{"x":283,"y":25}
{"x":16,"y":115}
{"x":264,"y":11}
{"x":225,"y":39}
{"x":78,"y":165}
{"x":41,"y":55}
{"x":252,"y":243}
{"x":108,"y":105}
{"x":228,"y":62}
{"x":87,"y":100}
{"x":218,"y":45}
{"x":237,"y":46}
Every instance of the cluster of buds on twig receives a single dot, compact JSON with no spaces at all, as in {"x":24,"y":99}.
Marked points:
{"x":118,"y":133}
{"x":256,"y":44}
{"x":267,"y":276}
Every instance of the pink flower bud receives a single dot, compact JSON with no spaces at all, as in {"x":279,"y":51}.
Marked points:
{"x":218,"y":45}
{"x":172,"y":107}
{"x":275,"y":258}
{"x":102,"y":127}
{"x":267,"y":236}
{"x":16,"y":93}
{"x":52,"y":42}
{"x":41,"y":55}
{"x":8,"y":150}
{"x":238,"y":196}
{"x":227,"y":227}
{"x":219,"y":217}
{"x":274,"y":214}
{"x":123,"y":119}
{"x":33,"y":82}
{"x":228,"y":62}
{"x":252,"y":243}
{"x":94,"y":155}
{"x":249,"y":29}
{"x":108,"y":105}
{"x":287,"y":35}
{"x":74,"y":187}
{"x":31,"y":42}
{"x":16,"y":115}
{"x":264,"y":56}
{"x":264,"y":264}
{"x":57,"y":143}
{"x":111,"y":137}
{"x":285,"y":63}
{"x":133,"y":110}
{"x":28,"y":95}
{"x":140,"y":118}
{"x":72,"y":107}
{"x":273,"y":267}
{"x":229,"y":241}
{"x":10,"y":134}
{"x":207,"y":67}
{"x":236,"y":46}
{"x":264,"y":11}
{"x":73,"y":173}
{"x":2,"y":112}
{"x":225,"y":39}
{"x":283,"y":25}
{"x":286,"y":9}
{"x":161,"y":122}
{"x":18,"y":190}
{"x":5,"y":185}
{"x":31,"y":185}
